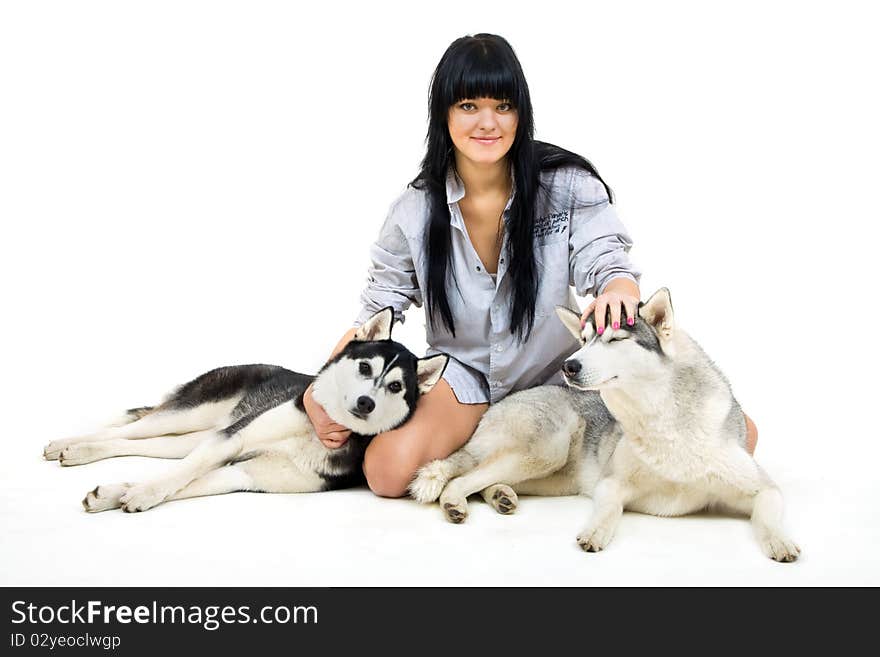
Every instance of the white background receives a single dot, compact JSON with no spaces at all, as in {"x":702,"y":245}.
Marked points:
{"x":190,"y":184}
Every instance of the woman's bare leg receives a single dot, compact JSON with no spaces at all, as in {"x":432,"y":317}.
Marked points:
{"x":751,"y":435}
{"x":439,"y":426}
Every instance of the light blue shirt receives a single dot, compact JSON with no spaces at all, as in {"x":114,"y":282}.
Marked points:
{"x":579,"y":241}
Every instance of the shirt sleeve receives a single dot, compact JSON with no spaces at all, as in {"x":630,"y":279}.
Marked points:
{"x":391,"y":277}
{"x":598,"y":241}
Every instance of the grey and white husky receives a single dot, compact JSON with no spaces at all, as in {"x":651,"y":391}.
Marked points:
{"x":647,"y":423}
{"x":244,"y":428}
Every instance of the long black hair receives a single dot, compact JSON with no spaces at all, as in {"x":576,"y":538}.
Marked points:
{"x":485,"y":66}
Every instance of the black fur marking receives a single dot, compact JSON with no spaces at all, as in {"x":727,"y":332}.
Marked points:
{"x":349,"y":480}
{"x":280,"y":387}
{"x":247,"y":456}
{"x":140,"y":411}
{"x":346,"y":464}
{"x":387,"y":349}
{"x":238,"y":425}
{"x":219,"y":384}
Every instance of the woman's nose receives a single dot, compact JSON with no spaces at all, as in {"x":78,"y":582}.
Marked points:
{"x":488,"y":120}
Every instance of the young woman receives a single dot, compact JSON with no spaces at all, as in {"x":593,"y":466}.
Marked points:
{"x":489,"y":236}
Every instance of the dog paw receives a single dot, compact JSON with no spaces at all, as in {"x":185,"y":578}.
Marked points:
{"x":594,"y":539}
{"x":780,"y":548}
{"x":142,"y":497}
{"x":53,"y":450}
{"x":104,"y":498}
{"x":455,"y":512}
{"x":80,"y":454}
{"x":502,"y":498}
{"x":429,"y":482}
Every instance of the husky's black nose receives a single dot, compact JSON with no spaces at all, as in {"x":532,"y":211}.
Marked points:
{"x":365,"y":404}
{"x":571,"y":367}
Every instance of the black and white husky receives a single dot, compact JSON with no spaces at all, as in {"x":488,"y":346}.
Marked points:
{"x":244,"y":428}
{"x":647,"y":423}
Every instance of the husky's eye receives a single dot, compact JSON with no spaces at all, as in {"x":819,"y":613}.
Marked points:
{"x":395,"y":386}
{"x":365,"y":369}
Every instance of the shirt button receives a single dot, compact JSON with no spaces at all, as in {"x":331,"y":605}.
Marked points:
{"x":478,"y":268}
{"x":496,"y":307}
{"x":499,"y":347}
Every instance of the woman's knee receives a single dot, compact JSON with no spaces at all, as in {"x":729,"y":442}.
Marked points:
{"x":751,"y":435}
{"x":439,"y":426}
{"x":389,"y":467}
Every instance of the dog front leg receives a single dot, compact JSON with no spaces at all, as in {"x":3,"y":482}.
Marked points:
{"x":225,"y":479}
{"x":767,"y":523}
{"x":211,"y":453}
{"x":609,"y":498}
{"x":753,"y":492}
{"x":510,"y":468}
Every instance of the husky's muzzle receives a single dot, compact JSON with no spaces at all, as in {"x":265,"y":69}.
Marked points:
{"x":365,"y":406}
{"x":571,"y":367}
{"x":572,"y":371}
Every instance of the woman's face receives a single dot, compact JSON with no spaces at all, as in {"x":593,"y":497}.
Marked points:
{"x":482,"y":129}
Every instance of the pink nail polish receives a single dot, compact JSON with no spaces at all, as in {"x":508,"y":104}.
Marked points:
{"x":600,"y":330}
{"x":631,"y":321}
{"x":615,"y":325}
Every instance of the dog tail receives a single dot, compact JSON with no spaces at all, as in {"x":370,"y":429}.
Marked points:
{"x":130,"y":416}
{"x":431,"y":478}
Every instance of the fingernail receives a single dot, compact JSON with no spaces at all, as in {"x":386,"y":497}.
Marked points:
{"x":615,"y":325}
{"x":631,"y":321}
{"x":600,"y":330}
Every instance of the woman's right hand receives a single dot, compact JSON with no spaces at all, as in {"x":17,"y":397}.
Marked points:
{"x":331,"y":434}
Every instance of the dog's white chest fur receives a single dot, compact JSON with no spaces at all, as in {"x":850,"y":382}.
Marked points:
{"x":681,"y":459}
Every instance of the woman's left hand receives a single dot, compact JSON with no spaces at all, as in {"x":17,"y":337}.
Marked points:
{"x":615,"y":301}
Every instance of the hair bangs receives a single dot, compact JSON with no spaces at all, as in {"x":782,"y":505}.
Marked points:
{"x":482,"y":71}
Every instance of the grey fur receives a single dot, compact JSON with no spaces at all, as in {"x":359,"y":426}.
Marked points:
{"x":659,"y":433}
{"x":599,"y":423}
{"x":645,"y":337}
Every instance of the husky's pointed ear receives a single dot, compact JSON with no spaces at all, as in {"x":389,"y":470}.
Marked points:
{"x":657,"y":311}
{"x":378,"y":327}
{"x":429,"y":370}
{"x":572,"y":321}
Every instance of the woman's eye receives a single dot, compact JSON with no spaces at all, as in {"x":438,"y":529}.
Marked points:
{"x":506,"y":106}
{"x":395,"y":386}
{"x":365,"y":369}
{"x":466,"y":106}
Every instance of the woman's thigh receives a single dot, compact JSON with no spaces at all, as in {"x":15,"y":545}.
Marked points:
{"x":439,"y":426}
